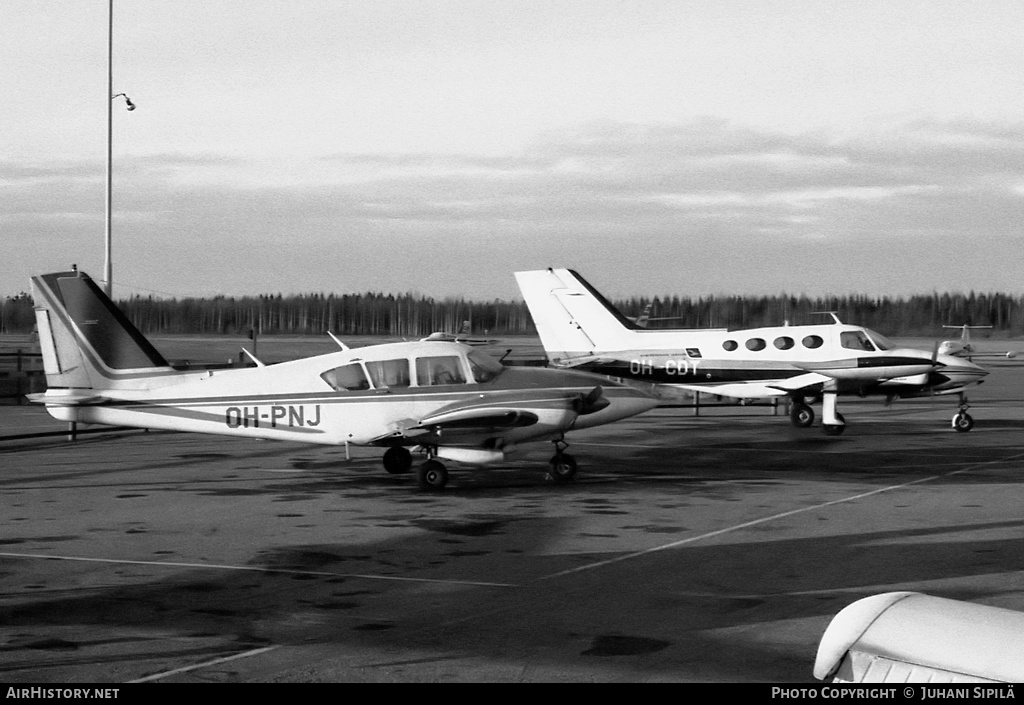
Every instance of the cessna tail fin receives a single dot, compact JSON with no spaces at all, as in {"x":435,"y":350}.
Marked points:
{"x":572,"y":318}
{"x":86,"y":341}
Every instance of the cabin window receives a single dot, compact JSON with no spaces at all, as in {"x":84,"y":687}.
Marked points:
{"x":756,"y":344}
{"x":483,"y":366}
{"x":730,"y":345}
{"x":431,"y":371}
{"x":387,"y":374}
{"x":855,"y":340}
{"x":349,"y":378}
{"x":813,"y":341}
{"x":784,"y":342}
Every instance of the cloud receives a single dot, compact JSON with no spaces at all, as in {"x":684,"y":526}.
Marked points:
{"x":706,"y":195}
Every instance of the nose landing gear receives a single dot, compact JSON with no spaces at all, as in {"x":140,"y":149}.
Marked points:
{"x":563,"y":465}
{"x":962,"y":421}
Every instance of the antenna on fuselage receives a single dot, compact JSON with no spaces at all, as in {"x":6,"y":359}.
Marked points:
{"x":259,"y":363}
{"x":338,"y":341}
{"x":835,"y":316}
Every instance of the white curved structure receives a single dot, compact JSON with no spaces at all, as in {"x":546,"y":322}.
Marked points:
{"x":909,"y":637}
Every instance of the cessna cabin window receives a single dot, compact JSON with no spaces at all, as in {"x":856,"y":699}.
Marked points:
{"x":813,"y":341}
{"x":346,"y":378}
{"x":730,"y":345}
{"x":855,"y":340}
{"x":431,"y":371}
{"x":755,"y":344}
{"x":387,"y":374}
{"x":784,"y":343}
{"x":483,"y":366}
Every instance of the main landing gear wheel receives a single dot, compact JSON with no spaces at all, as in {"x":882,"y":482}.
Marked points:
{"x":432,"y":476}
{"x":397,"y":460}
{"x":563,"y":468}
{"x":801,"y":415}
{"x":963,"y":422}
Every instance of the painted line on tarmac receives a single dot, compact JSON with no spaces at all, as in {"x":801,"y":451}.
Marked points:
{"x":255,"y":569}
{"x":773,"y":517}
{"x":214,"y":662}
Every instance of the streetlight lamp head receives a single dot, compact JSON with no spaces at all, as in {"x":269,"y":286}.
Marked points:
{"x":130,"y":105}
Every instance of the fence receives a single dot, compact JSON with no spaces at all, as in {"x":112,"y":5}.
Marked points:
{"x":21,"y":373}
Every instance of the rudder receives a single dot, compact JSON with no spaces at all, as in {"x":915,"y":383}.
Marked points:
{"x":86,"y":341}
{"x":572,"y":318}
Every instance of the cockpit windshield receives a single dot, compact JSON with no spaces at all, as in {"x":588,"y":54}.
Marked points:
{"x":880,"y":341}
{"x":484,"y":367}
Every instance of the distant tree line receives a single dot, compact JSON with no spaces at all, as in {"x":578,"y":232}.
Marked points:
{"x":416,"y":316}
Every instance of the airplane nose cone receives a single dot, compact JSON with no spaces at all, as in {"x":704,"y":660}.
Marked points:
{"x":623,"y":402}
{"x":959,"y":371}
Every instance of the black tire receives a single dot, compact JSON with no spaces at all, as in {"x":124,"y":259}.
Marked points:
{"x":397,"y":460}
{"x":963,"y":422}
{"x":433,"y":476}
{"x":801,"y":415}
{"x":563,"y":468}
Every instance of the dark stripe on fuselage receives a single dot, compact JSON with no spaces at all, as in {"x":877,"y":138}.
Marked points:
{"x":888,"y":361}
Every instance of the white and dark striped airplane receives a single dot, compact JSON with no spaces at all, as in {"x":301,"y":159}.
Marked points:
{"x":580,"y":329}
{"x":442,"y":399}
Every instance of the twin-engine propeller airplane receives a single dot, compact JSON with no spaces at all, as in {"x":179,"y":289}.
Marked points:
{"x":580,"y":329}
{"x":440,"y":398}
{"x":963,"y":347}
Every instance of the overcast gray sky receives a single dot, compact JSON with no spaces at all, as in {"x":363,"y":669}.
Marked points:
{"x":432,"y":146}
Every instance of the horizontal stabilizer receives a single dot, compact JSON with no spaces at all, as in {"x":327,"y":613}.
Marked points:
{"x":909,"y":637}
{"x":67,"y":399}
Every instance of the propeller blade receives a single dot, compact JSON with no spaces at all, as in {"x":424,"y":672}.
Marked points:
{"x":590,"y":402}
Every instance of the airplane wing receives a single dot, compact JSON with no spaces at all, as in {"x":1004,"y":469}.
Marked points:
{"x":482,"y":418}
{"x":577,"y":361}
{"x":910,"y":637}
{"x":807,"y":383}
{"x":1008,"y":355}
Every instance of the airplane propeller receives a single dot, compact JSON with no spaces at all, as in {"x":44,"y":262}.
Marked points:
{"x":589,"y":403}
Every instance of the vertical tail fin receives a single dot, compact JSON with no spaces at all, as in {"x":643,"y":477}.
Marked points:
{"x":572,"y":318}
{"x":86,"y":341}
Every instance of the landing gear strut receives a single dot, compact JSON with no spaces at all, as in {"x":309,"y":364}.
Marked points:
{"x":962,"y":421}
{"x":563,"y":465}
{"x":832,"y":422}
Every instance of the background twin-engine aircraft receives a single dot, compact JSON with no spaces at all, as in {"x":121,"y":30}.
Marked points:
{"x":963,"y":347}
{"x":441,"y":398}
{"x":580,"y":329}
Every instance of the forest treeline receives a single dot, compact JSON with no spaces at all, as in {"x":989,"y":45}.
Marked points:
{"x":409,"y":315}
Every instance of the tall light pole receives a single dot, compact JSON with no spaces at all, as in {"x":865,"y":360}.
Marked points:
{"x":108,"y":274}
